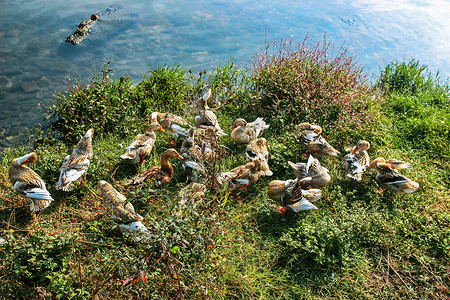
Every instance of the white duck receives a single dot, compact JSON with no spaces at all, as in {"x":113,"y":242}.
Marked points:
{"x":76,"y":164}
{"x":29,"y":184}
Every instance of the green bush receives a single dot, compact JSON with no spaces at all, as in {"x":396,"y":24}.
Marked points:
{"x":417,"y":104}
{"x":106,"y":105}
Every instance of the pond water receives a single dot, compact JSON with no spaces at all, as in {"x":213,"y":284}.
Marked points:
{"x":198,"y":35}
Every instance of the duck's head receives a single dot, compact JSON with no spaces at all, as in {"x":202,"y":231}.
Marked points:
{"x":154,"y":117}
{"x":27,"y":159}
{"x":155,"y":126}
{"x":89,"y":133}
{"x":94,"y":17}
{"x":169,"y":153}
{"x":239,"y":123}
{"x":362,"y":145}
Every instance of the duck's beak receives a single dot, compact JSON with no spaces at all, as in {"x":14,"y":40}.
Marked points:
{"x":161,"y":129}
{"x":179,"y":156}
{"x":233,"y":127}
{"x":356,"y":149}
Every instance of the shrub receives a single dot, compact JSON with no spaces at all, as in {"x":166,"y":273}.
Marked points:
{"x":164,"y":89}
{"x":306,"y":82}
{"x":106,"y":105}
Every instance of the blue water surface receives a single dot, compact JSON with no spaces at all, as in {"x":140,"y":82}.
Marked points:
{"x":198,"y":35}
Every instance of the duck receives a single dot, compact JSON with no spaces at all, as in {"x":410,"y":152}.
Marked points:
{"x":160,"y":176}
{"x":247,"y":174}
{"x":142,"y":145}
{"x":388,"y":176}
{"x":205,"y":117}
{"x":192,"y":163}
{"x":311,"y":174}
{"x":289,"y":192}
{"x":171,"y":123}
{"x":208,"y":141}
{"x":28,"y":183}
{"x":315,"y":144}
{"x":357,"y":161}
{"x":123,"y":210}
{"x":257,"y":148}
{"x":238,"y":178}
{"x":76,"y":164}
{"x":192,"y":191}
{"x":242,"y":132}
{"x":302,"y":205}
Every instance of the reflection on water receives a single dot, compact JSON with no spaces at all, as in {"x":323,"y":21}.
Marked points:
{"x":133,"y":35}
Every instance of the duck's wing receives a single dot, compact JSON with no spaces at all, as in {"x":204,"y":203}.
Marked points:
{"x":258,"y":126}
{"x":302,"y":205}
{"x":398,"y":183}
{"x":71,"y":173}
{"x":38,"y":197}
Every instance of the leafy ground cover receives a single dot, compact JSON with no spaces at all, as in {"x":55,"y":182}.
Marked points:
{"x":362,"y":242}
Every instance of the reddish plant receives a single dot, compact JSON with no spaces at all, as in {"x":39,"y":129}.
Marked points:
{"x":301,"y":82}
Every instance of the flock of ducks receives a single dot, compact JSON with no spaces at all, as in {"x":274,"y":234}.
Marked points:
{"x":199,"y":150}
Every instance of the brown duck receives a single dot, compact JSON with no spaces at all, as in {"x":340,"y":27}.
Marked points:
{"x":159,"y":175}
{"x":142,"y":145}
{"x":388,"y":176}
{"x":171,"y":123}
{"x":76,"y":164}
{"x":311,"y":174}
{"x":123,"y":211}
{"x":29,"y":184}
{"x":314,"y":143}
{"x":257,"y":148}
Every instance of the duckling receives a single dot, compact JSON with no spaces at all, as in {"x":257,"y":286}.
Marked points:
{"x":29,"y":184}
{"x":171,"y":123}
{"x":159,"y":175}
{"x":123,"y":211}
{"x":243,"y":132}
{"x":289,"y":192}
{"x":311,"y":174}
{"x":76,"y":164}
{"x":314,"y":143}
{"x":142,"y":145}
{"x":388,"y":176}
{"x":206,"y":117}
{"x":257,"y":148}
{"x":357,"y":161}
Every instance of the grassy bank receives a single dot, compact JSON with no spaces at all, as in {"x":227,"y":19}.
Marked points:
{"x":362,"y":242}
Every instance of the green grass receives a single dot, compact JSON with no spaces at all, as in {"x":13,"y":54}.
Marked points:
{"x":362,"y":242}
